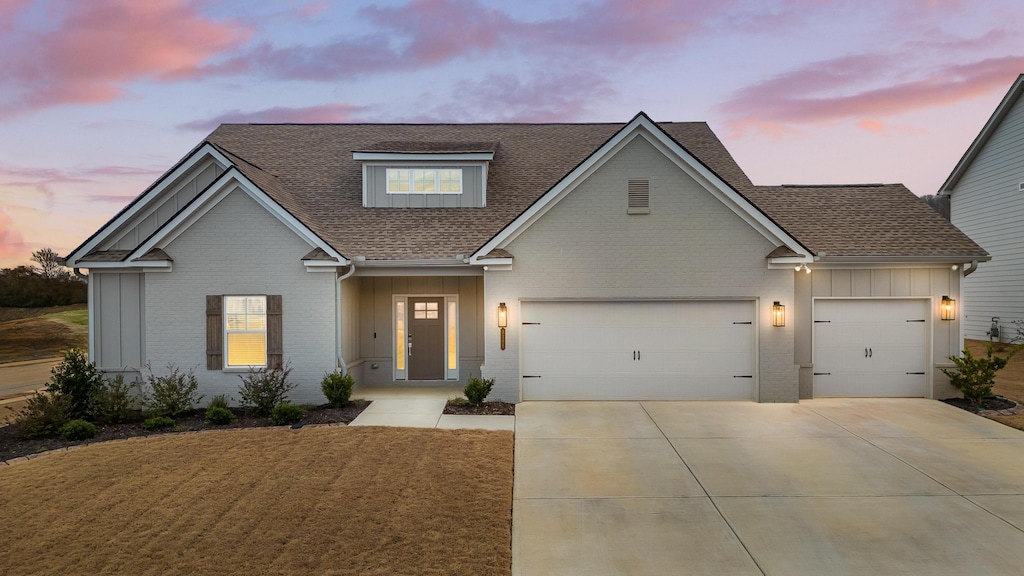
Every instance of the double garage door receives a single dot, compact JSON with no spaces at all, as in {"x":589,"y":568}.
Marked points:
{"x":658,"y":350}
{"x":871,"y":347}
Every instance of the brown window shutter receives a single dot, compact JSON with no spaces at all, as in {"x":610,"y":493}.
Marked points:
{"x":214,"y":333}
{"x":275,"y":333}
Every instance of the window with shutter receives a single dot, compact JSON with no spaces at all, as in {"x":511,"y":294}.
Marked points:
{"x":638,"y":197}
{"x":244,"y":331}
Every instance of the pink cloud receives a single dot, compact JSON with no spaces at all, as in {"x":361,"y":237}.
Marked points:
{"x":828,"y":91}
{"x":13,"y":247}
{"x":873,"y":126}
{"x":99,"y":45}
{"x":326,"y":113}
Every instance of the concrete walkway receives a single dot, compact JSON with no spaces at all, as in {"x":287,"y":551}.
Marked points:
{"x":421,"y":407}
{"x":838,"y":486}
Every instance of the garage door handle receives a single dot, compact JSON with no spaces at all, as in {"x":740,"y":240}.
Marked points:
{"x":750,"y":376}
{"x":916,"y":373}
{"x":915,"y":320}
{"x":822,"y":373}
{"x":742,"y":322}
{"x":525,"y":376}
{"x":531,"y":323}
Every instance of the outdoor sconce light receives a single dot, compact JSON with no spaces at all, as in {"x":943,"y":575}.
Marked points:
{"x":778,"y":314}
{"x":502,"y":321}
{"x":947,"y":310}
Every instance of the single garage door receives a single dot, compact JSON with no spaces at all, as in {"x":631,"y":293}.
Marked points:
{"x":871,"y":347}
{"x":663,"y":350}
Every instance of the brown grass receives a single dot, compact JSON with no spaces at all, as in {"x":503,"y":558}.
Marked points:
{"x":324,"y":500}
{"x":31,"y":333}
{"x":1009,"y":380}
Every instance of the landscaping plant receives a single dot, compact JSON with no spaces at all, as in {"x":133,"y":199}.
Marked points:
{"x":172,"y":394}
{"x":974,"y":377}
{"x":158,"y":423}
{"x":113,"y":401}
{"x":44,"y":414}
{"x":76,"y":378}
{"x":262,"y":389}
{"x":285,"y":413}
{"x":219,"y":416}
{"x":477,"y":389}
{"x":337,"y":388}
{"x":78,"y":430}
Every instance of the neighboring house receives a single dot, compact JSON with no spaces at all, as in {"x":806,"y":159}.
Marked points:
{"x":986,"y":190}
{"x":573,"y":261}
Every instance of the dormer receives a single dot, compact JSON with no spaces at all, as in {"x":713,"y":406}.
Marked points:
{"x":425,"y":174}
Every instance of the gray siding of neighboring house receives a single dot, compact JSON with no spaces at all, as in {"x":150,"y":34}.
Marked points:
{"x":117,"y":316}
{"x":689,"y":246}
{"x":173,"y":199}
{"x":931,"y":283}
{"x":378,"y":197}
{"x":239,"y":248}
{"x":988,"y":205}
{"x":376,"y":322}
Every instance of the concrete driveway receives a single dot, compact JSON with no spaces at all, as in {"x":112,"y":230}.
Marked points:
{"x":837,"y":486}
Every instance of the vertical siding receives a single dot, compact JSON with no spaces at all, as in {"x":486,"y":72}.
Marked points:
{"x":119,"y":320}
{"x":989,"y":207}
{"x":378,"y":197}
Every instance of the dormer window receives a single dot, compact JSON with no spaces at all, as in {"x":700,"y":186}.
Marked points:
{"x":424,"y":181}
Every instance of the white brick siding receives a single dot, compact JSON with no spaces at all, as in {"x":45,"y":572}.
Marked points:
{"x":240,"y":248}
{"x":689,"y":246}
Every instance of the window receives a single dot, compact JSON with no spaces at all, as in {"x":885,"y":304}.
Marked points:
{"x":425,"y":310}
{"x":245,"y":323}
{"x":424,"y":181}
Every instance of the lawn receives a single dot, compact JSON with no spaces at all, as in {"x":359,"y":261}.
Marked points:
{"x":322,"y":500}
{"x":31,"y":333}
{"x":1009,"y":380}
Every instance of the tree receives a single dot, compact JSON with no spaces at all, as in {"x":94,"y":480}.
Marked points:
{"x":50,"y":264}
{"x":938,"y":203}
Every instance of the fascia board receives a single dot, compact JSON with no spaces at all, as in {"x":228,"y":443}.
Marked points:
{"x":422,"y":157}
{"x":145,"y":202}
{"x":229,"y":181}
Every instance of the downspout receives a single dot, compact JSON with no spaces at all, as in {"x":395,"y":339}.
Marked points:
{"x":968,"y":270}
{"x":337,"y":291}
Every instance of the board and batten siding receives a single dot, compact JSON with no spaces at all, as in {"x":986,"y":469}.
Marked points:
{"x":690,"y":246}
{"x":376,"y":328}
{"x":988,"y":205}
{"x":932,"y":283}
{"x":377,"y":194}
{"x":117,"y":315}
{"x":182,"y":192}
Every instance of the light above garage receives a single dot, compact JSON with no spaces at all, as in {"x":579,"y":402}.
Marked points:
{"x":778,"y":314}
{"x":947,"y":309}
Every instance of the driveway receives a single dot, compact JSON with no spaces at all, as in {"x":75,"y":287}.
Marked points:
{"x":836,"y":486}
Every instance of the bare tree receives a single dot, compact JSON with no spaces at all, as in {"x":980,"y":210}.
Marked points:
{"x":50,"y":265}
{"x":939,"y":203}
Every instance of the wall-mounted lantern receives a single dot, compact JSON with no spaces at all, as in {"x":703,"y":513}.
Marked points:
{"x":947,"y":309}
{"x":778,"y":314}
{"x":502,"y":321}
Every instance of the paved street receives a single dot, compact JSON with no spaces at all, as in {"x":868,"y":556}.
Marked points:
{"x":18,"y":378}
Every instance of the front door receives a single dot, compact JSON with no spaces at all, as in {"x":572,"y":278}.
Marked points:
{"x":426,"y":339}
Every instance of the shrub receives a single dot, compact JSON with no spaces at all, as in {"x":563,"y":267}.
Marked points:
{"x":285,"y":413}
{"x":219,"y":416}
{"x":337,"y":388}
{"x":220,"y":401}
{"x":173,"y":393}
{"x":78,"y":430}
{"x":263,"y":389}
{"x":78,"y":379}
{"x":158,"y":423}
{"x":43,"y":415}
{"x":113,"y":401}
{"x":974,"y":377}
{"x":477,"y":389}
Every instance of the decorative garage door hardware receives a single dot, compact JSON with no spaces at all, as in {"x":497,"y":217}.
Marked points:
{"x":525,"y":376}
{"x":822,"y":321}
{"x":742,"y":322}
{"x":531,"y":323}
{"x":822,"y":373}
{"x":922,"y":320}
{"x":868,"y":352}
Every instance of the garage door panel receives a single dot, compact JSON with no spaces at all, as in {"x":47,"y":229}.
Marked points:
{"x":638,"y":350}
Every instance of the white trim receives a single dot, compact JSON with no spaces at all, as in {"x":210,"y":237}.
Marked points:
{"x":125,"y":266}
{"x":265,"y":332}
{"x":145,"y":202}
{"x":363,"y":271}
{"x":642,"y":126}
{"x":423,"y":156}
{"x":900,"y":262}
{"x":232,"y":179}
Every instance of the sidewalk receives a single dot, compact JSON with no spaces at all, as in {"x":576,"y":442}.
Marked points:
{"x":421,"y":407}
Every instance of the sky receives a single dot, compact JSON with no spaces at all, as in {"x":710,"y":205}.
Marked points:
{"x":99,"y":97}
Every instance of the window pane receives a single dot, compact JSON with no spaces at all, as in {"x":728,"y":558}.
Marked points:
{"x":256,"y":323}
{"x":451,"y":180}
{"x":256,"y":305}
{"x":431,"y":305}
{"x":424,"y":180}
{"x":247,"y":349}
{"x":236,"y":321}
{"x":400,"y":335}
{"x":398,"y":180}
{"x":234,"y":304}
{"x":419,"y":306}
{"x":432,"y":315}
{"x":452,"y":338}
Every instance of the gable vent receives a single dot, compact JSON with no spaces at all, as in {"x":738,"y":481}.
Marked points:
{"x":639,"y":196}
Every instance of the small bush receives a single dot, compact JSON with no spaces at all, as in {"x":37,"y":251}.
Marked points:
{"x":172,"y":394}
{"x":285,"y":413}
{"x":263,"y":389}
{"x":337,"y":388}
{"x":974,"y":377}
{"x":78,"y":379}
{"x":219,"y":416}
{"x":78,"y":430}
{"x":158,"y":423}
{"x":477,"y":389}
{"x":43,"y":415}
{"x":113,"y":402}
{"x":220,"y":401}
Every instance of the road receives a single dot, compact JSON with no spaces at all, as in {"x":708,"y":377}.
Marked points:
{"x":18,"y":378}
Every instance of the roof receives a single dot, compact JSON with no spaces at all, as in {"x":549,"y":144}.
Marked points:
{"x":1004,"y":107}
{"x":432,"y":147}
{"x":879,"y":220}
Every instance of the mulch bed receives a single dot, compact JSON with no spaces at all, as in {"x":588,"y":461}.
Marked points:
{"x":464,"y":408}
{"x":11,"y":446}
{"x":992,"y":403}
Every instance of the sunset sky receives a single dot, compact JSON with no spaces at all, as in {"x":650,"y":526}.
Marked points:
{"x":100,"y":97}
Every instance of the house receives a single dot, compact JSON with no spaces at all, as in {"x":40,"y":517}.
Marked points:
{"x":986,"y":191}
{"x":566,"y":261}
